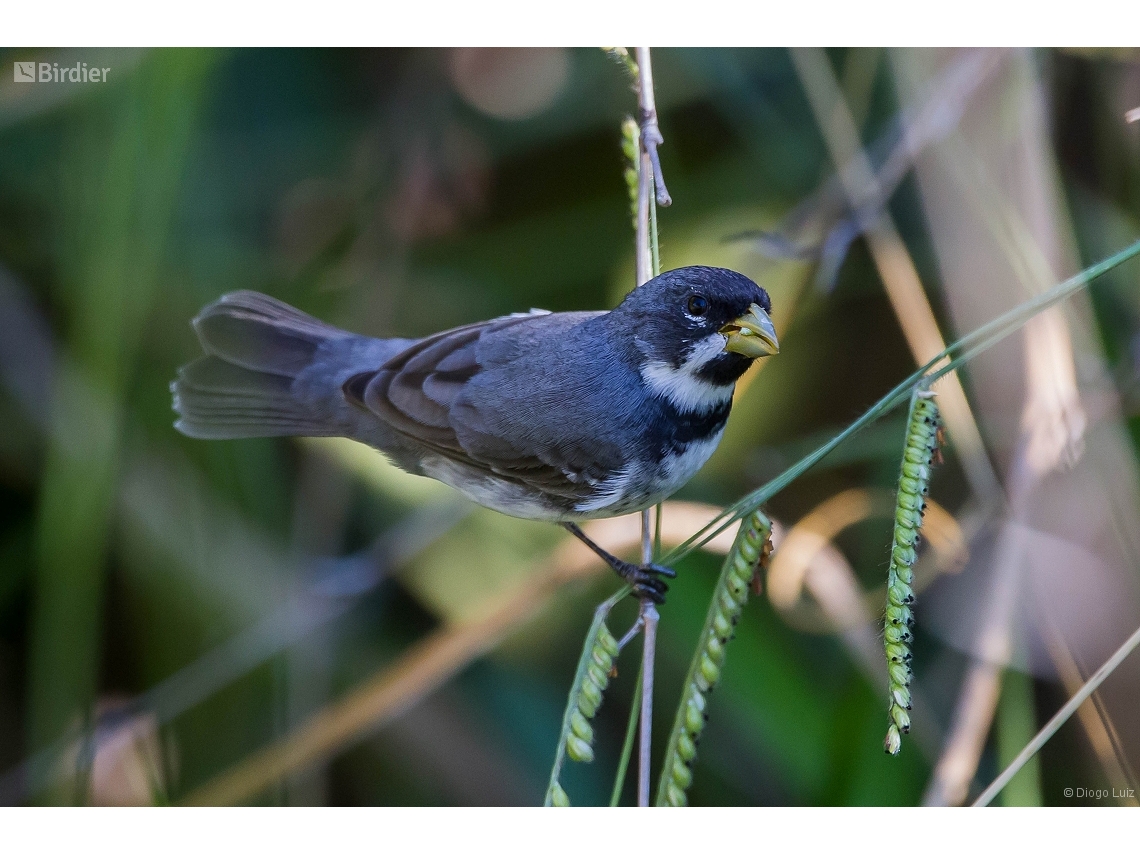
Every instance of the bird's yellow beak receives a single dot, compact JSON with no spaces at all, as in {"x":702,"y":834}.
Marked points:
{"x":752,"y":334}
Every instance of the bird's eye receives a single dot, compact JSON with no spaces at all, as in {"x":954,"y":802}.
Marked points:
{"x":698,"y":305}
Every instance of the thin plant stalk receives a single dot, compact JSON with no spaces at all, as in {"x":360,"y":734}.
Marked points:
{"x":1063,"y":715}
{"x":649,"y":651}
{"x":627,"y":745}
{"x":648,"y":265}
{"x":600,"y":615}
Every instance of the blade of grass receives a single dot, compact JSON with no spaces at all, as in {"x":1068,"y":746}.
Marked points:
{"x":627,"y":745}
{"x":1063,"y":715}
{"x":584,"y":660}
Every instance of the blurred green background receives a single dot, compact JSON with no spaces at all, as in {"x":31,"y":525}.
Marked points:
{"x":172,"y":610}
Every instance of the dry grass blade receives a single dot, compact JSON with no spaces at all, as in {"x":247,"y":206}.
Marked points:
{"x":1093,"y":716}
{"x":893,"y":261}
{"x":1059,"y":719}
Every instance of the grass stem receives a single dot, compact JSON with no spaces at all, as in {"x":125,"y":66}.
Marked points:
{"x":1063,"y":715}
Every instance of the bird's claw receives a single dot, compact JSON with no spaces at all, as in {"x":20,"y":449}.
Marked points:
{"x":646,"y":580}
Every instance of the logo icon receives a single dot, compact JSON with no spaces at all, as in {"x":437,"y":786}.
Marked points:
{"x":24,"y":72}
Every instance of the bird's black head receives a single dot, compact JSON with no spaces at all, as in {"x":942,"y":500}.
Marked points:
{"x":706,"y":322}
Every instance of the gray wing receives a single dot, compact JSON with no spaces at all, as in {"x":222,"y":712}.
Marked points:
{"x":457,"y":394}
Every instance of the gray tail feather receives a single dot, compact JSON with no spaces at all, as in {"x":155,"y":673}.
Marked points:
{"x":256,"y":347}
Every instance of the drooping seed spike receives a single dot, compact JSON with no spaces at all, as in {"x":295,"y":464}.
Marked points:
{"x":923,"y":438}
{"x":739,"y":575}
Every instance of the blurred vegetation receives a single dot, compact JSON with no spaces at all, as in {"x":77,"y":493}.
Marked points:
{"x":200,"y":601}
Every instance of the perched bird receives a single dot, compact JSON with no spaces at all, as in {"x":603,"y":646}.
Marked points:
{"x":560,"y":417}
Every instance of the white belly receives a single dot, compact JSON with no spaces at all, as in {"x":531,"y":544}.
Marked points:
{"x":629,"y":492}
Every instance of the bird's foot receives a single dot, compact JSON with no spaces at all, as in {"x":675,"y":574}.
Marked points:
{"x":646,"y":579}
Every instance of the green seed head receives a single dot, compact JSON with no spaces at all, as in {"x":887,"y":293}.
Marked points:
{"x":910,"y":501}
{"x":682,"y":775}
{"x":608,"y":642}
{"x":686,"y":748}
{"x":898,"y":594}
{"x":709,"y":670}
{"x":906,"y":536}
{"x":694,"y":719}
{"x":603,"y":659}
{"x":901,"y":718}
{"x":597,"y":675}
{"x":699,"y":701}
{"x":675,"y":795}
{"x":728,"y":604}
{"x":893,"y":743}
{"x":904,"y":556}
{"x":918,"y":471}
{"x":558,"y":796}
{"x":895,"y":653}
{"x":904,"y":574}
{"x":916,"y":455}
{"x":580,"y":726}
{"x":714,"y":649}
{"x":749,"y":551}
{"x":908,"y":517}
{"x":589,"y":699}
{"x":722,"y":625}
{"x":899,"y":615}
{"x":579,"y":749}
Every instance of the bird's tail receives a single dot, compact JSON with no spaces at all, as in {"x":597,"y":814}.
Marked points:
{"x":269,"y":370}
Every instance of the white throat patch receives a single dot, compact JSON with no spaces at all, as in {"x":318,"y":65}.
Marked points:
{"x":688,"y":392}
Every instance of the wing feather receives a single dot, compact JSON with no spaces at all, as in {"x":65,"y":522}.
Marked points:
{"x":424,"y":393}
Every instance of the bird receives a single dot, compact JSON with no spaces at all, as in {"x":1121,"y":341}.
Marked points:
{"x":562,"y":417}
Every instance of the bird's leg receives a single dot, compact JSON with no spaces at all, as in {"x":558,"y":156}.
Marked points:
{"x":646,"y":579}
